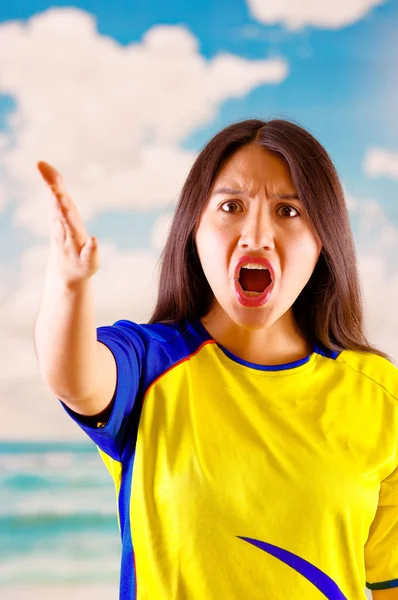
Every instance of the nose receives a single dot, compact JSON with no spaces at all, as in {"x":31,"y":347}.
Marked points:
{"x":257,"y":231}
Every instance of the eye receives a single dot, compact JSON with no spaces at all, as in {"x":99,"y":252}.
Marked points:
{"x":230,"y":202}
{"x":237,"y":205}
{"x":290,"y":208}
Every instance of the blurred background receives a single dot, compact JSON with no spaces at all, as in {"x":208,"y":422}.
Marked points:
{"x":120,"y":98}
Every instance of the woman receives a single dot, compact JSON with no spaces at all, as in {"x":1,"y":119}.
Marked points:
{"x":250,"y":428}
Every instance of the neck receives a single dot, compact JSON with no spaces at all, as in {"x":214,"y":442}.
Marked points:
{"x":275,"y":344}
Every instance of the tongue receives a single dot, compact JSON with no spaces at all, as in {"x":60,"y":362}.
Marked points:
{"x":254,"y":280}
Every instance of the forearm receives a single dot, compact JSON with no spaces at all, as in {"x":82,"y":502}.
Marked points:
{"x":65,"y":338}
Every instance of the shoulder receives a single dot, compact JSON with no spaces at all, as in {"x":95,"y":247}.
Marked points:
{"x":159,"y":332}
{"x":158,"y":346}
{"x":373,"y":367}
{"x":140,"y":334}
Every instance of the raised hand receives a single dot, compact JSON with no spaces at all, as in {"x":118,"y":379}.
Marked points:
{"x":74,"y":253}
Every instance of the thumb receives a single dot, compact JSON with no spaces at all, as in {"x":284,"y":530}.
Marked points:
{"x":88,"y":248}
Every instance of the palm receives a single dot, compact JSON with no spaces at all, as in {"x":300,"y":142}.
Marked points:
{"x":76,"y":256}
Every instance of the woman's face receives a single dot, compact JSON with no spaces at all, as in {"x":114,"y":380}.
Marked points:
{"x":246,"y":214}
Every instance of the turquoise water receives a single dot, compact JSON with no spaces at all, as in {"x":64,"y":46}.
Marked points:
{"x":57,"y":515}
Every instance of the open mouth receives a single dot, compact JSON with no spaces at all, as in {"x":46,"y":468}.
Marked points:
{"x":254,"y":281}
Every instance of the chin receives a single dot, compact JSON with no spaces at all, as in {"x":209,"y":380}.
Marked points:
{"x":251,"y":318}
{"x":247,"y":318}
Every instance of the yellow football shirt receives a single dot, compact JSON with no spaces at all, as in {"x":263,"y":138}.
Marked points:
{"x":239,"y":480}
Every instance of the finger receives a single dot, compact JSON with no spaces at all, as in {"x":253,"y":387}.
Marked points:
{"x":62,"y":234}
{"x":88,"y":249}
{"x":73,"y":239}
{"x":64,"y":203}
{"x":74,"y":227}
{"x":65,"y":234}
{"x":55,"y":182}
{"x":58,"y":232}
{"x":51,"y":176}
{"x":89,"y":255}
{"x":61,"y":215}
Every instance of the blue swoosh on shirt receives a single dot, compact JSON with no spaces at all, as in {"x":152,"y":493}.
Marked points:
{"x":318,"y":578}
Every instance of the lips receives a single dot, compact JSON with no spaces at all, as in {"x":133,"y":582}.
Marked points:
{"x":258,"y":260}
{"x":243,"y":297}
{"x":252,"y":301}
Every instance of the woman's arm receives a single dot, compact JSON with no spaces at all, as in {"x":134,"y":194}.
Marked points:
{"x":76,"y":368}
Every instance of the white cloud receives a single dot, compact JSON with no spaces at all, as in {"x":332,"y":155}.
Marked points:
{"x":124,"y":288}
{"x":376,"y":241}
{"x":380,"y":289}
{"x":375,"y":232}
{"x":227,"y":70}
{"x":2,"y":198}
{"x":379,"y":162}
{"x":31,"y":412}
{"x":110,"y":117}
{"x":323,"y":14}
{"x":18,"y":360}
{"x":160,"y":231}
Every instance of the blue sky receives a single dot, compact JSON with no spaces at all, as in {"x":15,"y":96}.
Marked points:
{"x":341,"y":84}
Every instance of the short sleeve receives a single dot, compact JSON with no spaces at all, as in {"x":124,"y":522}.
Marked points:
{"x":128,"y":346}
{"x":381,"y":549}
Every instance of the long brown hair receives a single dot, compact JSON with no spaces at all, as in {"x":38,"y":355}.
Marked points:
{"x":329,"y":309}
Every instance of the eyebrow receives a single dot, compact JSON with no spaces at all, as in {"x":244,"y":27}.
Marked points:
{"x":237,"y":192}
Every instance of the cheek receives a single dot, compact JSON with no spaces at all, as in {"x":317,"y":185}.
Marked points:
{"x":302,"y":260}
{"x":212,"y":243}
{"x":209,"y":238}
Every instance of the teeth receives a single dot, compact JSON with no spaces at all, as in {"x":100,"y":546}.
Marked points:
{"x":253,"y":293}
{"x":253,"y":266}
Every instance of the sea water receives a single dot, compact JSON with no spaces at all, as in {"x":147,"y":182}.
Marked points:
{"x":58,"y":521}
